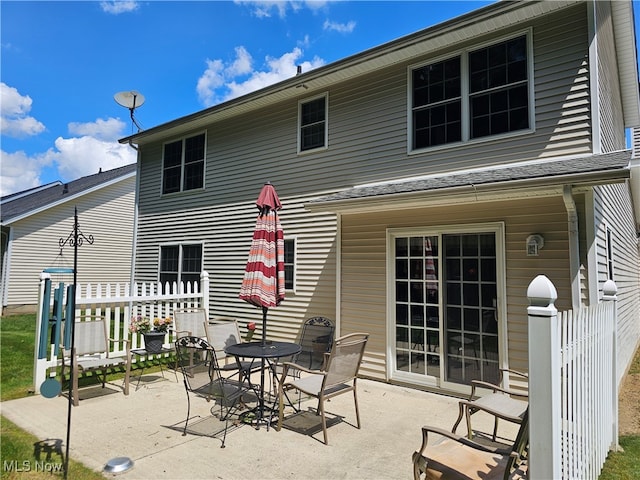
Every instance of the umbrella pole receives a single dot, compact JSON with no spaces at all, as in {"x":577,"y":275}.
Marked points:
{"x":264,"y":343}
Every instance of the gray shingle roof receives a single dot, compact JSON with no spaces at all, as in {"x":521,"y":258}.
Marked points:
{"x":22,"y":203}
{"x":609,"y":162}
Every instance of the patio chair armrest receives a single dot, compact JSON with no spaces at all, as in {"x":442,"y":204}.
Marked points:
{"x":494,"y":388}
{"x":474,"y":406}
{"x":287,"y":365}
{"x":515,"y":372}
{"x":460,"y":439}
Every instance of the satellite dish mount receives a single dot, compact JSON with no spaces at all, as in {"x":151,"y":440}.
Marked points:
{"x":130,"y":100}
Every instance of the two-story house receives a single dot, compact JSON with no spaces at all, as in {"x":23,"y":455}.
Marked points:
{"x":37,"y":226}
{"x":424,"y":183}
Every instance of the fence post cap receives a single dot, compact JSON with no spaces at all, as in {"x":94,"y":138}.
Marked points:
{"x":541,"y":292}
{"x":609,"y":288}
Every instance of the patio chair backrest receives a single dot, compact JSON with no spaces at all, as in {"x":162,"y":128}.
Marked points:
{"x":316,"y":339}
{"x":91,"y":337}
{"x":190,"y":322}
{"x":221,"y":335}
{"x":345,"y":359}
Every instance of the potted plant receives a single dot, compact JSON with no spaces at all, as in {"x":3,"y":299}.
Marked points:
{"x":152,"y":331}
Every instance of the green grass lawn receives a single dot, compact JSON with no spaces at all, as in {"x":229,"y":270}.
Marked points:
{"x":17,"y":336}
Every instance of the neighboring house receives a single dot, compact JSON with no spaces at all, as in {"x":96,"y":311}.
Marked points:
{"x":424,"y":183}
{"x":35,"y":221}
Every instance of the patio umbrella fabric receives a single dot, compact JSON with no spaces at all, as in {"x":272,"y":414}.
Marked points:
{"x":263,"y":283}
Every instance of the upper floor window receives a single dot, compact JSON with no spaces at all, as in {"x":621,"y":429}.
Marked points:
{"x":183,"y":164}
{"x":312,"y":119}
{"x":477,"y":94}
{"x":289,"y":263}
{"x":180,"y":263}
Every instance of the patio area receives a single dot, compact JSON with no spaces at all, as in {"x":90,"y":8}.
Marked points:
{"x":146,"y":426}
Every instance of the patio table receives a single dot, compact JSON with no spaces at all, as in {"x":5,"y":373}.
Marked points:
{"x":268,"y":353}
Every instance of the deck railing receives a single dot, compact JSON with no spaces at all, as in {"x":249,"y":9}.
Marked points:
{"x":573,"y":391}
{"x":116,"y":303}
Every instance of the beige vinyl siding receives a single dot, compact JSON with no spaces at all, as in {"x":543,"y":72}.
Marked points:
{"x":609,"y":95}
{"x":367,"y":124}
{"x":226,"y":232}
{"x":613,"y":209}
{"x":106,"y":214}
{"x":364,"y":276}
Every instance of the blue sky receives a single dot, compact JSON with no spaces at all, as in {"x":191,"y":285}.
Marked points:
{"x":62,"y":63}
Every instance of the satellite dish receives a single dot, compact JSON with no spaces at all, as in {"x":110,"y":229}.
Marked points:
{"x":130,"y":100}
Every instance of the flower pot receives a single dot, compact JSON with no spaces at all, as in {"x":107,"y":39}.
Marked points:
{"x":153,"y":341}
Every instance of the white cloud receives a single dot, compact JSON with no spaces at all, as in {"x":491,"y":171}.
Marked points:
{"x":119,"y":6}
{"x":21,"y":172}
{"x":262,"y":9}
{"x":83,"y":156}
{"x":220,"y":83}
{"x":339,"y":27}
{"x":14,"y":109}
{"x":110,"y":129}
{"x":94,"y":147}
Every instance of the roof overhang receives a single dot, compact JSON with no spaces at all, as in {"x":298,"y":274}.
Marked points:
{"x":482,"y":185}
{"x":480,"y":22}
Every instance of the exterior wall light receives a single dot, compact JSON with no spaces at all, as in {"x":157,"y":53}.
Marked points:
{"x":534,"y":243}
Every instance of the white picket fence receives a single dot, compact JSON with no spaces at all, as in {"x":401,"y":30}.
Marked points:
{"x":117,"y":304}
{"x":573,"y":391}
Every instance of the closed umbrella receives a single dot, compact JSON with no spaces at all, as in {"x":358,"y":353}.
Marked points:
{"x":263,"y":283}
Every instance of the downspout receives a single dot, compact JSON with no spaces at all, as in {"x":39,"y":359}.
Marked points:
{"x":574,"y":246}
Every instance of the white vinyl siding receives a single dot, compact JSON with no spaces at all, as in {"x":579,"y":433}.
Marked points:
{"x":613,"y":211}
{"x":609,"y":96}
{"x":106,"y":214}
{"x":226,"y":233}
{"x":364,"y":275}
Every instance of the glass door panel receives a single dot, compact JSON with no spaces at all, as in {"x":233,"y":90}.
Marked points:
{"x":470,"y":321}
{"x":417,"y":323}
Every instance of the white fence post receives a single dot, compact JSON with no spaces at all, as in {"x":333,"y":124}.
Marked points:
{"x":204,"y":289}
{"x":544,"y":383}
{"x":609,"y":290}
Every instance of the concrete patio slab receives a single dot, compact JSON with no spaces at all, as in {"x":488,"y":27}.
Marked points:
{"x":146,"y":427}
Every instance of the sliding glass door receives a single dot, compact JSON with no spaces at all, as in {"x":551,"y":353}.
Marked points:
{"x":445,"y":318}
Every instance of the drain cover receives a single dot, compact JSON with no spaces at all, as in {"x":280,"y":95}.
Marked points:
{"x":118,"y":465}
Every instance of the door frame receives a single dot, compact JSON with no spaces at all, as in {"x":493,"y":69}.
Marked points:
{"x":498,"y":229}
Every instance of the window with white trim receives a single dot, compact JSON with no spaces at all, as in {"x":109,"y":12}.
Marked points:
{"x":183,"y":164}
{"x":479,"y":93}
{"x":180,"y":263}
{"x":312,"y":122}
{"x":289,"y":264}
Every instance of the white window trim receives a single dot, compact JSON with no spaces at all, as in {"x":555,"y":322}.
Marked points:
{"x":204,"y":165}
{"x":324,"y":95}
{"x":497,"y":228}
{"x":180,"y":245}
{"x":464,"y":93}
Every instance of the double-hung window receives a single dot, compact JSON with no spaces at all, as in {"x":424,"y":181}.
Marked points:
{"x":476,"y":94}
{"x":183,"y":164}
{"x":312,"y":120}
{"x":180,"y":263}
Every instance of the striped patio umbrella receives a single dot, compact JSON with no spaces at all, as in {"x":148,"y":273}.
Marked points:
{"x":263,"y":283}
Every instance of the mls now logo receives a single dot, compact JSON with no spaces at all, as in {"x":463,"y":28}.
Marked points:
{"x":31,"y":466}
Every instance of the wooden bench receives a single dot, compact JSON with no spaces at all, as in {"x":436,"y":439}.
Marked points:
{"x":92,"y":346}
